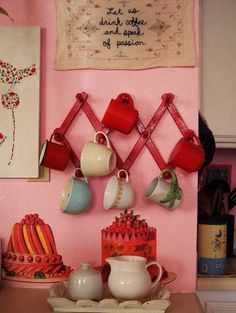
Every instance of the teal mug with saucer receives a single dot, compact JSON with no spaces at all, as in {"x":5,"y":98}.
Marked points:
{"x":76,"y":196}
{"x":168,"y":194}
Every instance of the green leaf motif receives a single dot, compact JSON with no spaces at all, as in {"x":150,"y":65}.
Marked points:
{"x":4,"y":12}
{"x":39,"y":275}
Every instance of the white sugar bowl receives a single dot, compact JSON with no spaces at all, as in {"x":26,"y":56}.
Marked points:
{"x":85,"y":283}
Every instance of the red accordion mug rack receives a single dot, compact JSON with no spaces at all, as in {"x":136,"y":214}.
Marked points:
{"x":144,"y":132}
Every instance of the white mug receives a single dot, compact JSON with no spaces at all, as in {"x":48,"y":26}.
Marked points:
{"x":167,"y":194}
{"x":118,"y":192}
{"x":97,"y":159}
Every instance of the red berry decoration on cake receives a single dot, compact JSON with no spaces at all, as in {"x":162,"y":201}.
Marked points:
{"x":31,"y":253}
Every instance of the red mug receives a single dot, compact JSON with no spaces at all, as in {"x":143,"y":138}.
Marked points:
{"x":188,"y":153}
{"x":121,"y":114}
{"x":54,"y":155}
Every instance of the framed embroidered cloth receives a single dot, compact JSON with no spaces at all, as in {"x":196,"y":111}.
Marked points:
{"x":129,"y":34}
{"x":19,"y":101}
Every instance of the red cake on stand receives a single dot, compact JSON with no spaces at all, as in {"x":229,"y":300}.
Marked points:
{"x":128,"y":235}
{"x":31,"y":254}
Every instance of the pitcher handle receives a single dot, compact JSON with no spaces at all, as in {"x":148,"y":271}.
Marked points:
{"x":156,"y":281}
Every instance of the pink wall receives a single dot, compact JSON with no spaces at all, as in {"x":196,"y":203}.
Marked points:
{"x":78,"y":237}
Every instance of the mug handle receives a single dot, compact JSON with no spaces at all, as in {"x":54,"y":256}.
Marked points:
{"x":174,"y":180}
{"x":126,"y":175}
{"x":75,"y":176}
{"x":104,"y":135}
{"x":156,"y":281}
{"x":190,"y":135}
{"x":60,"y":138}
{"x":174,"y":190}
{"x":125,"y":99}
{"x":51,"y":137}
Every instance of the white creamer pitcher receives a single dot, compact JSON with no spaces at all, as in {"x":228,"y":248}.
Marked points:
{"x":129,"y":278}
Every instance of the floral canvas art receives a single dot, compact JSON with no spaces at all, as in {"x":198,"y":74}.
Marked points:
{"x":19,"y":101}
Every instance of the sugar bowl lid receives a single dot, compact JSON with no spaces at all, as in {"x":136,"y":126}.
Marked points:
{"x":85,"y":270}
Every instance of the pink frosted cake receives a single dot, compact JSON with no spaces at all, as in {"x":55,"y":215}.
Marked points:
{"x":31,"y":253}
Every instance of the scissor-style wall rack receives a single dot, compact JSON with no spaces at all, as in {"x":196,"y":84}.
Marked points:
{"x":144,"y":132}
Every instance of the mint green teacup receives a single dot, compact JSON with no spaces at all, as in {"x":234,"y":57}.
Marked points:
{"x":76,"y":196}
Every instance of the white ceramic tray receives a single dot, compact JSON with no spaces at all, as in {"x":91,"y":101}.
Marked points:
{"x":157,"y":302}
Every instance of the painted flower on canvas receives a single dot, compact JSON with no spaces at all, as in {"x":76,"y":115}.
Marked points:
{"x":10,"y":100}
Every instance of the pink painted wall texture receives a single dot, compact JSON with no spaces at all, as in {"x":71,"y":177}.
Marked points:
{"x":78,"y":237}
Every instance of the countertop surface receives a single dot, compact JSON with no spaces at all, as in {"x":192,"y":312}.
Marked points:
{"x":25,"y":300}
{"x":225,"y":282}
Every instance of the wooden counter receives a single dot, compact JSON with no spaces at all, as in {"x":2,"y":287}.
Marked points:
{"x":25,"y":300}
{"x":220,"y":282}
{"x":224,"y":283}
